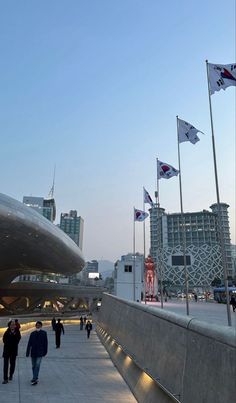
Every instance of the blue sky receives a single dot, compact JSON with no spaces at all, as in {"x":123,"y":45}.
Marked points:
{"x":94,"y":87}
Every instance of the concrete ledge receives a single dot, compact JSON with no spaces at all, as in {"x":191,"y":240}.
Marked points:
{"x":191,"y":358}
{"x":144,"y":388}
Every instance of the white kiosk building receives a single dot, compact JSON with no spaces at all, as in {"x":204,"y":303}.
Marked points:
{"x":127,"y":283}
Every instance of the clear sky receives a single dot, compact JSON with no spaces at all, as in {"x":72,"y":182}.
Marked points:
{"x":94,"y":87}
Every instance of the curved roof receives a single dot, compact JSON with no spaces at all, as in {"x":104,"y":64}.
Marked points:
{"x":30,"y":243}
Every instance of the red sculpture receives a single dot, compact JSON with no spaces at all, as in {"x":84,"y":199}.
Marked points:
{"x":150,"y":277}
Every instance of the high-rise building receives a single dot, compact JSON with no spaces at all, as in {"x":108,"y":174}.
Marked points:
{"x":226,"y":234}
{"x":203,"y":252}
{"x":45,"y":207}
{"x":90,"y":274}
{"x":233,"y":253}
{"x":73,"y":226}
{"x":92,"y":266}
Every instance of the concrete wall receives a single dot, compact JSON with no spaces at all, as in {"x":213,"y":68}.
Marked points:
{"x":191,"y":359}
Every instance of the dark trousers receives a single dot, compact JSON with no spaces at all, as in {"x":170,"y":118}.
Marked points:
{"x":88,"y":333}
{"x":12,"y":360}
{"x":58,"y":339}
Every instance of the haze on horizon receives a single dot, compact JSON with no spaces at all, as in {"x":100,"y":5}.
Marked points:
{"x":95,"y":87}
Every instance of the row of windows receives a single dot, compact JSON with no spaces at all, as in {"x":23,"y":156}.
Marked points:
{"x":201,"y":224}
{"x":195,"y":235}
{"x":71,"y":225}
{"x":191,"y":219}
{"x":193,"y":229}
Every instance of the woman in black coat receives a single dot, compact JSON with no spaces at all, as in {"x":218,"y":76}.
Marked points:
{"x":11,"y":340}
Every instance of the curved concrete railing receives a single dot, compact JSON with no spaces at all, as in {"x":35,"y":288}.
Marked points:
{"x":195,"y":362}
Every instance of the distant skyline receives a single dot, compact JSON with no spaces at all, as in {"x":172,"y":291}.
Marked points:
{"x":94,"y":88}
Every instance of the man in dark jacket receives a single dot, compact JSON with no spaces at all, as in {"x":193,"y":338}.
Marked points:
{"x":88,"y":327}
{"x":11,"y":340}
{"x":233,"y":302}
{"x":53,"y":322}
{"x":37,"y":348}
{"x":58,"y":329}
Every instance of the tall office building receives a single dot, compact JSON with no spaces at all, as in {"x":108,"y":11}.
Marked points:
{"x":92,"y":266}
{"x":226,"y":234}
{"x":73,"y":226}
{"x":203,"y":251}
{"x":89,"y":275}
{"x":45,"y":207}
{"x":233,"y":253}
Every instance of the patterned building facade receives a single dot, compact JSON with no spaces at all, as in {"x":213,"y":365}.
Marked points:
{"x":203,"y":252}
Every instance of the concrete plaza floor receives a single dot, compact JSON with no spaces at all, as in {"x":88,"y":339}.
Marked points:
{"x":210,"y":312}
{"x":79,"y":371}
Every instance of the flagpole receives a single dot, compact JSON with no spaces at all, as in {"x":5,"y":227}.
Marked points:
{"x":134,"y":257}
{"x":218,"y":207}
{"x":159,"y":238}
{"x":144,"y":251}
{"x":183,"y":225}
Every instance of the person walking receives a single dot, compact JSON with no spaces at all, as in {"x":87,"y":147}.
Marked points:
{"x":59,"y":328}
{"x":81,"y":323}
{"x":88,"y":327}
{"x":11,"y":340}
{"x":53,"y":323}
{"x":233,"y":302}
{"x":37,"y":348}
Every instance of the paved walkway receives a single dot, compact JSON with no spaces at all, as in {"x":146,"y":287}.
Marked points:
{"x":210,"y":312}
{"x":80,"y":371}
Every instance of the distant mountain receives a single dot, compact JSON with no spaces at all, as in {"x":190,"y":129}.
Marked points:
{"x":105,"y":267}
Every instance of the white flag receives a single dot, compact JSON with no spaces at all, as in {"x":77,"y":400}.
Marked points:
{"x":165,"y":171}
{"x":147,"y":198}
{"x":140,"y":215}
{"x":187,"y":132}
{"x":221,"y":76}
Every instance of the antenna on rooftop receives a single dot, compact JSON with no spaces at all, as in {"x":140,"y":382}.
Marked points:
{"x":51,"y":192}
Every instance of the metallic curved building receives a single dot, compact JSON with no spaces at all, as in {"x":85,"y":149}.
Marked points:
{"x":29,"y":243}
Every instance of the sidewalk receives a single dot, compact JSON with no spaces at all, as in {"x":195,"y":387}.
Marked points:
{"x":80,"y":371}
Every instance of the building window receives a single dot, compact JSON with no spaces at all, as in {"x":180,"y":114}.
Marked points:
{"x":128,"y":268}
